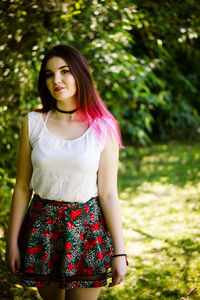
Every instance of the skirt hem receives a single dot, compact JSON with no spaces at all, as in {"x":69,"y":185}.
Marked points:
{"x":76,"y":281}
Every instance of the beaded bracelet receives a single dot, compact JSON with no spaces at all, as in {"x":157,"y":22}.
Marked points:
{"x":115,"y":255}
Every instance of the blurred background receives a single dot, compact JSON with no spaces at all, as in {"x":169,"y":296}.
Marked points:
{"x":145,"y":60}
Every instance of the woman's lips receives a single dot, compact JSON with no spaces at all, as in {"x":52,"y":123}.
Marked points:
{"x":58,"y":89}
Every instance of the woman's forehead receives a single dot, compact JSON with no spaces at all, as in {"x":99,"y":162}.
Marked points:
{"x":56,"y":62}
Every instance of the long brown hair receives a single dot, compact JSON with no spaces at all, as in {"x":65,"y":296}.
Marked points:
{"x":89,"y":102}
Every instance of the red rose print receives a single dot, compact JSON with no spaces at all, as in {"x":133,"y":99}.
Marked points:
{"x":73,"y":215}
{"x":38,"y":249}
{"x":106,"y":265}
{"x":79,"y":265}
{"x":102,"y":220}
{"x":79,"y":212}
{"x":92,"y":228}
{"x":72,"y":207}
{"x":69,"y":255}
{"x":46,"y":233}
{"x":105,"y":243}
{"x":91,"y":216}
{"x":109,"y":252}
{"x":87,"y":245}
{"x":87,"y":209}
{"x":55,"y":246}
{"x":70,"y":266}
{"x":97,"y":284}
{"x":85,"y":224}
{"x":89,"y":271}
{"x":100,"y":239}
{"x":94,"y":242}
{"x":39,"y":284}
{"x":30,"y":269}
{"x":55,"y":234}
{"x":44,"y":256}
{"x":32,"y":229}
{"x":54,"y":237}
{"x":96,"y":225}
{"x":82,"y":236}
{"x":99,"y":255}
{"x":68,"y":246}
{"x":49,"y":264}
{"x":50,"y":220}
{"x":70,"y":225}
{"x":30,"y":251}
{"x":84,"y":255}
{"x":60,"y":215}
{"x":38,"y":206}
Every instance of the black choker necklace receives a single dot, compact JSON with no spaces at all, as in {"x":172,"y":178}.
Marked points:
{"x":66,"y":112}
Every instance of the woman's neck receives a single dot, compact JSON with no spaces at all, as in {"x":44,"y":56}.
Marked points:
{"x":65,"y":111}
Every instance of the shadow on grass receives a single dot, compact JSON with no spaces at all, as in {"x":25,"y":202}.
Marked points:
{"x":166,"y":277}
{"x":171,"y":264}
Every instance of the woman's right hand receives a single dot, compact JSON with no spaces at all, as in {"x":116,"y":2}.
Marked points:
{"x":13,"y":259}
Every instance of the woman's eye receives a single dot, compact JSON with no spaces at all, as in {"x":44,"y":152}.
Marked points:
{"x":65,"y":71}
{"x":48,"y":75}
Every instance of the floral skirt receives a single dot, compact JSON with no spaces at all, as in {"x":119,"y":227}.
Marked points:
{"x":65,"y":242}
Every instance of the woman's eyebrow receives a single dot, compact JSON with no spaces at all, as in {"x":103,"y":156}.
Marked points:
{"x":47,"y":70}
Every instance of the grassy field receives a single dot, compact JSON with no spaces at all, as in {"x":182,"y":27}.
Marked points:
{"x":159,"y":189}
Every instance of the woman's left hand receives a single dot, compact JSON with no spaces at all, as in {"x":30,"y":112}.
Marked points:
{"x":118,"y":267}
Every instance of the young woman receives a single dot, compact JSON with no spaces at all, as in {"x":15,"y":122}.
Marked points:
{"x":71,"y":233}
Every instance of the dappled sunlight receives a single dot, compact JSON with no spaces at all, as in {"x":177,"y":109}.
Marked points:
{"x":159,"y":198}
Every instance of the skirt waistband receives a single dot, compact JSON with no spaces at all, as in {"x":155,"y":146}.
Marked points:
{"x":36,"y":197}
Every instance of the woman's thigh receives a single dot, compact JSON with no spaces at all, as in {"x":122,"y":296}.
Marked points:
{"x":82,"y":294}
{"x":52,"y":292}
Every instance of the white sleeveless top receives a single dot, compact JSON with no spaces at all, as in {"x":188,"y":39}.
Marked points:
{"x":64,"y":170}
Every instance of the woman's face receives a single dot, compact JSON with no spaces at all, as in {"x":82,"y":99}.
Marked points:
{"x":59,"y":80}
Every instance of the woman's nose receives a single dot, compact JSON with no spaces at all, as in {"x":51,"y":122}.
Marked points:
{"x":57,"y":77}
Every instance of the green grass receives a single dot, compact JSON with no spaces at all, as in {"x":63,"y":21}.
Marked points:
{"x":159,"y":189}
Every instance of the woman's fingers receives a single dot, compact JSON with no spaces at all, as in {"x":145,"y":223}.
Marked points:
{"x":18,"y":266}
{"x":117,"y":279}
{"x":13,"y":260}
{"x":118,"y":271}
{"x":12,"y":267}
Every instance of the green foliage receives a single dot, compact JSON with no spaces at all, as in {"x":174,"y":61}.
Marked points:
{"x":168,"y":31}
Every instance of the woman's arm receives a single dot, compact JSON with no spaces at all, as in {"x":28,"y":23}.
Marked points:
{"x":20,"y":199}
{"x":108,"y":196}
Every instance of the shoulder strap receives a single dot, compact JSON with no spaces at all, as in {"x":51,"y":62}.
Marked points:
{"x":46,"y":118}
